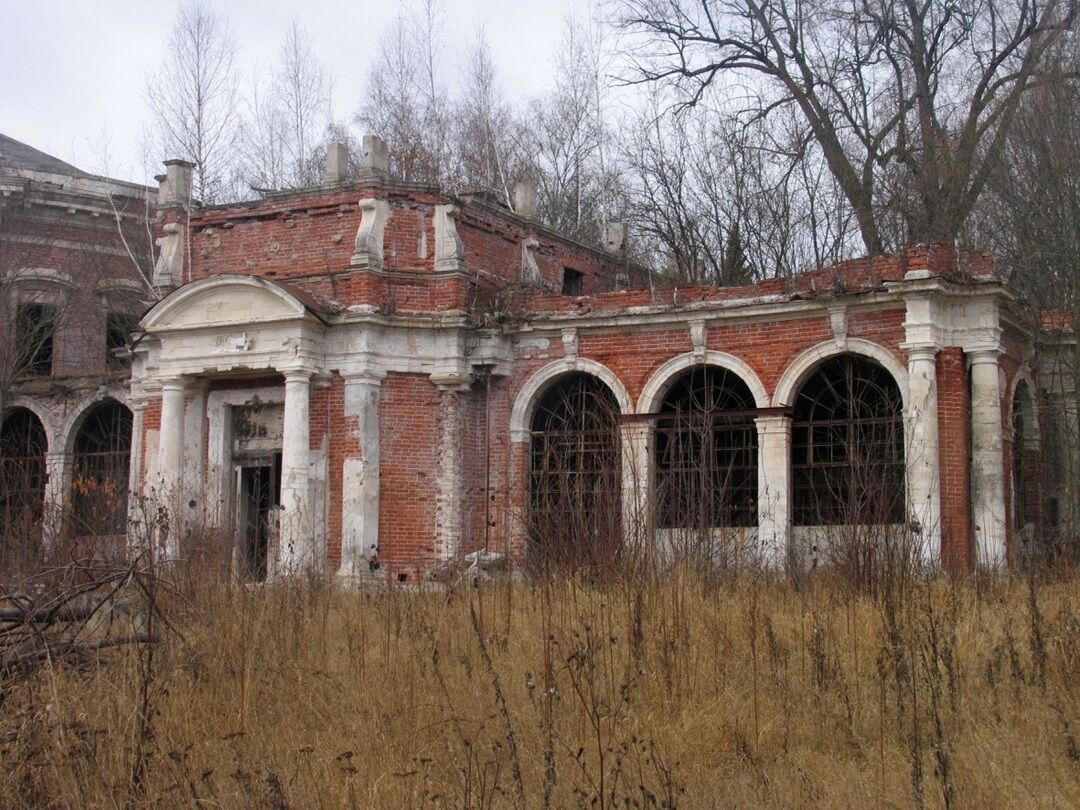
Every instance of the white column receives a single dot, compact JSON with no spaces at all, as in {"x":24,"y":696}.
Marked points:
{"x":921,"y":451}
{"x":987,"y":458}
{"x":136,"y":528}
{"x":636,"y":485}
{"x":774,"y":489}
{"x":296,"y":545}
{"x":171,"y":457}
{"x":58,"y":470}
{"x":195,"y":505}
{"x":360,"y":478}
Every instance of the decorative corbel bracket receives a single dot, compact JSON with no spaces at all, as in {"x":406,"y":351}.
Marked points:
{"x":368,"y":253}
{"x":449,"y":250}
{"x":169,"y":267}
{"x":530,"y":270}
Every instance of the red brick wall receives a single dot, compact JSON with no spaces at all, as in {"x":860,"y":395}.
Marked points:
{"x":307,"y":239}
{"x":408,"y":408}
{"x":88,"y":250}
{"x":954,"y":420}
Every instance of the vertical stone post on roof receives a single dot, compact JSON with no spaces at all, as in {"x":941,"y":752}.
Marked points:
{"x":525,"y":194}
{"x":336,"y":169}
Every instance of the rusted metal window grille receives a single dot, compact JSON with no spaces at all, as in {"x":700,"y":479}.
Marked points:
{"x":848,"y":446}
{"x":22,"y":473}
{"x":575,"y":472}
{"x":706,"y":449}
{"x":101,"y":469}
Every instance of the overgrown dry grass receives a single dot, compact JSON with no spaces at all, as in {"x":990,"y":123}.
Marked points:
{"x":677,"y":691}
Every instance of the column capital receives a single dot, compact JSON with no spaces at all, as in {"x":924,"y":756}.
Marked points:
{"x":921,"y":351}
{"x":176,"y":382}
{"x":297,"y":374}
{"x":452,"y":381}
{"x":984,"y":354}
{"x":364,"y":376}
{"x":773,"y":423}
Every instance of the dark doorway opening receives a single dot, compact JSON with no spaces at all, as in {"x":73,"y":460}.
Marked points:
{"x":260,"y":499}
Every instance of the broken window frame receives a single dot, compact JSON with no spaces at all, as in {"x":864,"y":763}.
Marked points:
{"x":575,"y":473}
{"x":23,"y":472}
{"x":705,"y":452}
{"x":101,"y":463}
{"x":118,"y":328}
{"x":35,"y":335}
{"x":573,"y":282}
{"x":847,"y":448}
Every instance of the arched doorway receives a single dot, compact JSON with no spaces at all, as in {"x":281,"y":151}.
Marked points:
{"x":101,"y":467}
{"x":575,"y":474}
{"x":23,"y":476}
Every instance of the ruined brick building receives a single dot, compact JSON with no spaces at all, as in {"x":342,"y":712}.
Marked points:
{"x":370,"y":372}
{"x":71,"y":292}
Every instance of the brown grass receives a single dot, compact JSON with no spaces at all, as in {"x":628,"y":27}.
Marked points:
{"x":674,"y":692}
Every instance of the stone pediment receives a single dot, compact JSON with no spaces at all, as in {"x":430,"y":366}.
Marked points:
{"x":227,"y":301}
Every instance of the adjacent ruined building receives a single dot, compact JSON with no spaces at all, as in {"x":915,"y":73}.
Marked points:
{"x":72,"y":293}
{"x":375,"y":379}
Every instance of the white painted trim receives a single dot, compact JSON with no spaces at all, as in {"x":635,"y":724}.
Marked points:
{"x":803,"y":365}
{"x":73,"y":423}
{"x":653,"y":393}
{"x":525,"y":403}
{"x":157,"y":319}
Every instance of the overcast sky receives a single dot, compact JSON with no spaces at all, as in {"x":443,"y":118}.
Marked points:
{"x":70,"y":71}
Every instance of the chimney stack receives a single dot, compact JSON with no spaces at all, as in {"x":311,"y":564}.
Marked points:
{"x":337,"y":162}
{"x":376,"y":160}
{"x":525,"y":198}
{"x":174,"y":188}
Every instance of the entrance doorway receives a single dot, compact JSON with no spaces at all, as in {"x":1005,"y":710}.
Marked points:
{"x":259,"y":485}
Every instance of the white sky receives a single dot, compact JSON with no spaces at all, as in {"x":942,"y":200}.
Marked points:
{"x":73,"y":70}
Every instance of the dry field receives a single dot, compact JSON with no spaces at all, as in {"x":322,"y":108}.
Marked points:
{"x":676,"y":691}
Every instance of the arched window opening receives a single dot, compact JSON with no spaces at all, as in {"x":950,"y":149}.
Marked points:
{"x":22,"y":478}
{"x":848,"y":446}
{"x":102,"y":457}
{"x":706,"y":452}
{"x":575,"y":474}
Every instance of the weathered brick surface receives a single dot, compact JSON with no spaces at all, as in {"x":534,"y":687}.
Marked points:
{"x":954,"y":420}
{"x":306,"y":240}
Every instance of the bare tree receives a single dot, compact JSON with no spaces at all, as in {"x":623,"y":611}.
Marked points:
{"x":193,"y":98}
{"x":287,"y":115}
{"x":484,"y":121}
{"x":910,"y":102}
{"x":393,"y":107}
{"x":570,"y":136}
{"x":303,"y":86}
